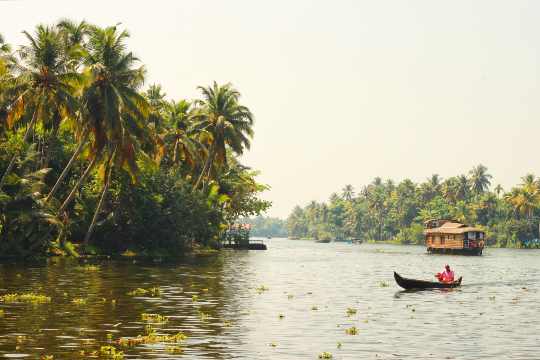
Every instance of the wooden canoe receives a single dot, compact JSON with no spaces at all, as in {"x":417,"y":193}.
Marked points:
{"x":409,"y":284}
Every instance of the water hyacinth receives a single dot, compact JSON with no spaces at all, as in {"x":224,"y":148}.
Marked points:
{"x":153,"y":292}
{"x":154,"y":318}
{"x":30,"y":298}
{"x":152,"y":338}
{"x":352,"y":331}
{"x":325,"y":355}
{"x":351,"y":311}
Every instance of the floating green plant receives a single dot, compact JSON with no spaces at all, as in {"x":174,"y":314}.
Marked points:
{"x":227,"y":323}
{"x":339,"y":345}
{"x":154,"y":318}
{"x":383,"y":284}
{"x":351,"y":311}
{"x":352,"y":331}
{"x":204,"y":316}
{"x":79,"y":301}
{"x":290,"y":296}
{"x":281,"y":316}
{"x":194,"y":298}
{"x":46,"y":357}
{"x":314,"y":308}
{"x":325,"y":355}
{"x":174,"y":349}
{"x":272,"y":344}
{"x":153,"y":292}
{"x":110,"y":352}
{"x":89,"y":268}
{"x":262,"y":289}
{"x":2,"y":313}
{"x":25,"y":298}
{"x":152,"y":338}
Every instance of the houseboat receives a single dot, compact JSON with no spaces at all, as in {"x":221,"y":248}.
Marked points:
{"x":453,"y":237}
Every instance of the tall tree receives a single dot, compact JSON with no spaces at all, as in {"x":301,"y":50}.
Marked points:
{"x":480,"y":179}
{"x":46,"y":86}
{"x":228,"y":123}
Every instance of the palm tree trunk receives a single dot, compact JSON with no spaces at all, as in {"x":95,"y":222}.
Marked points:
{"x":108,"y":172}
{"x":206,"y":166}
{"x":68,"y":166}
{"x":16,"y":155}
{"x":77,"y":186}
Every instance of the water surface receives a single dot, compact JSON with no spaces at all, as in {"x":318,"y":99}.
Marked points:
{"x":289,"y":302}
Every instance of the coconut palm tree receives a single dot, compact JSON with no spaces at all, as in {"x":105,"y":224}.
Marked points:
{"x":116,"y":112}
{"x":348,"y":192}
{"x":480,"y":179}
{"x":228,"y":124}
{"x":498,"y":190}
{"x":46,"y":87}
{"x":181,"y":136}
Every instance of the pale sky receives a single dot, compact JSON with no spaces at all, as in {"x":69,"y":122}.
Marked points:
{"x":344,"y":91}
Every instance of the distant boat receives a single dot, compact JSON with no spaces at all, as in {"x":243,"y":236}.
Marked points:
{"x":325,"y":241}
{"x":409,"y":284}
{"x":452,"y":237}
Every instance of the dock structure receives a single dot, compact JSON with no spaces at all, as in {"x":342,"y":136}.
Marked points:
{"x":237,"y":237}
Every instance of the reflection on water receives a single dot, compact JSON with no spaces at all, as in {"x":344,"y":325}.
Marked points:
{"x":290,"y":302}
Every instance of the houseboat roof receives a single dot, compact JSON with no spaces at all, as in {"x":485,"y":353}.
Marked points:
{"x":452,"y":227}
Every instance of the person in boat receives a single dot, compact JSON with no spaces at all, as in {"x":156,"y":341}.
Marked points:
{"x":447,"y":276}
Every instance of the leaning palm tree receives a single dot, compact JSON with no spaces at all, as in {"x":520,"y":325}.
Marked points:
{"x":46,"y":87}
{"x":115,"y":110}
{"x":480,"y":179}
{"x":228,"y":124}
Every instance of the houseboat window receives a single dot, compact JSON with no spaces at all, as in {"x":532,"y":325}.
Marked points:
{"x":481,"y":236}
{"x":442,"y":240}
{"x":472,"y":236}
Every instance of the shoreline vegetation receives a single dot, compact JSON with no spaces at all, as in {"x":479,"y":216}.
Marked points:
{"x":93,"y":162}
{"x":384,"y":211}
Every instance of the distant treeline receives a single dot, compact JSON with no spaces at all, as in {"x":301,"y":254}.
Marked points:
{"x":262,"y":226}
{"x":386,"y":211}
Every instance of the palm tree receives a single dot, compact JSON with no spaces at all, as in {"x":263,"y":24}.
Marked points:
{"x":498,"y":189}
{"x":181,"y":137}
{"x":348,"y":192}
{"x":480,"y":179}
{"x":113,"y":107}
{"x":228,"y":124}
{"x":47,"y":86}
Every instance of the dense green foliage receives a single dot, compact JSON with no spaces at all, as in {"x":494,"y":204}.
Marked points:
{"x":90,"y":157}
{"x":262,"y":226}
{"x":385,"y":211}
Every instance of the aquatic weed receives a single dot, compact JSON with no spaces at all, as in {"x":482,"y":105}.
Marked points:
{"x":352,"y":331}
{"x":154,"y":318}
{"x":261,"y":289}
{"x":30,"y":298}
{"x":351,"y":311}
{"x":383,"y":284}
{"x":78,"y":301}
{"x":325,"y":355}
{"x":110,"y":352}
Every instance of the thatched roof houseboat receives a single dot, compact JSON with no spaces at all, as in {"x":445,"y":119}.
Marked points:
{"x":453,"y":237}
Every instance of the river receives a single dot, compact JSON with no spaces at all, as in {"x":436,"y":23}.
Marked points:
{"x":289,"y":302}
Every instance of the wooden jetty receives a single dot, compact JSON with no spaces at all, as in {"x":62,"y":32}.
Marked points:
{"x":237,"y":237}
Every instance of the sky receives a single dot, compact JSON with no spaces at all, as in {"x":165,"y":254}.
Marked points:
{"x":344,"y":91}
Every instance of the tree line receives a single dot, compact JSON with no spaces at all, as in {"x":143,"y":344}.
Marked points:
{"x":91,"y":160}
{"x":386,"y":211}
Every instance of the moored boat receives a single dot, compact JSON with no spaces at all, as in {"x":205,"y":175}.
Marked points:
{"x":409,"y":284}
